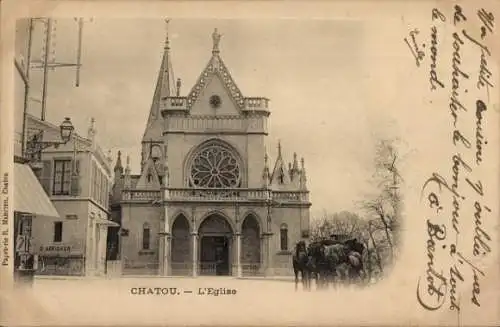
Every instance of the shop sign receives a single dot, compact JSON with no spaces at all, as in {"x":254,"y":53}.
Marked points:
{"x":55,"y":249}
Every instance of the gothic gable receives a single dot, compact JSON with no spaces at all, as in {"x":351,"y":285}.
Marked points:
{"x":214,"y":99}
{"x":215,"y":80}
{"x":149,"y":177}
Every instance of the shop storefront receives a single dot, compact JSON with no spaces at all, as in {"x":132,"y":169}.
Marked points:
{"x":30,"y":202}
{"x":60,"y":260}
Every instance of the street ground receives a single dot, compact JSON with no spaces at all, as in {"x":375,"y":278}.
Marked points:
{"x":169,"y":300}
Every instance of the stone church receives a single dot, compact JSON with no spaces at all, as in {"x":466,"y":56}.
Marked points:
{"x":208,"y":200}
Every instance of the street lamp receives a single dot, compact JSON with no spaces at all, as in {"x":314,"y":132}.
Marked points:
{"x":35,"y":145}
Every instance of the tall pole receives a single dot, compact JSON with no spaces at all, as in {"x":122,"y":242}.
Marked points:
{"x":79,"y":51}
{"x":45,"y":67}
{"x":27,"y":86}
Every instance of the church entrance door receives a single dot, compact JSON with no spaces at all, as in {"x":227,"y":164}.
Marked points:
{"x":215,"y":255}
{"x":215,"y":246}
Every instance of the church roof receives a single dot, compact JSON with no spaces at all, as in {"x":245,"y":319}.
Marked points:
{"x":165,"y":87}
{"x":215,"y":67}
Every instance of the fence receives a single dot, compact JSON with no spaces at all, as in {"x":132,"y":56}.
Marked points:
{"x":252,"y":269}
{"x":113,"y":268}
{"x":60,"y":266}
{"x":181,"y":269}
{"x":204,"y":269}
{"x":146,"y":268}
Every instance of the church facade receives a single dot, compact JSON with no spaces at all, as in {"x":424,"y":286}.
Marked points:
{"x":208,"y":200}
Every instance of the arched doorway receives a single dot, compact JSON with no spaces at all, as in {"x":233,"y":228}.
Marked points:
{"x":250,"y":245}
{"x":215,"y":246}
{"x":181,"y":247}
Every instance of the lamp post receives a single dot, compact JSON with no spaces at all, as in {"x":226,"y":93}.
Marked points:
{"x":36,"y":145}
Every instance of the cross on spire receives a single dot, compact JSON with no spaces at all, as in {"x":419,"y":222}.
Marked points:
{"x":167,"y":41}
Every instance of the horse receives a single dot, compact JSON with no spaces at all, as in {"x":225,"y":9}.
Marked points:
{"x":355,"y":251}
{"x":300,"y":264}
{"x":341,"y":260}
{"x":334,"y":257}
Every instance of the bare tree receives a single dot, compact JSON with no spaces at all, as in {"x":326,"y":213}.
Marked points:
{"x":342,"y":223}
{"x":384,"y":207}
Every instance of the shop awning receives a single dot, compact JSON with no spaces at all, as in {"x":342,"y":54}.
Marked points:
{"x":29,"y":196}
{"x":106,"y":222}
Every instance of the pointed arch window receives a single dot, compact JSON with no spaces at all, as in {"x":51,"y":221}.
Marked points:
{"x":284,"y":237}
{"x":146,"y":236}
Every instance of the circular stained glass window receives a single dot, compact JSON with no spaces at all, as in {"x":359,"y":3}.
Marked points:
{"x":215,"y":166}
{"x":215,"y":101}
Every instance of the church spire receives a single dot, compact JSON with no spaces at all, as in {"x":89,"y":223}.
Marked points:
{"x":165,"y":87}
{"x":167,"y":79}
{"x":118,"y":165}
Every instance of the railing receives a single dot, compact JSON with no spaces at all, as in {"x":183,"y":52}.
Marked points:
{"x":148,"y":268}
{"x":60,"y":266}
{"x":215,"y":124}
{"x":113,"y":268}
{"x":217,"y":195}
{"x":287,"y":196}
{"x":141,"y":195}
{"x":250,"y":103}
{"x":251,"y":269}
{"x":254,"y":103}
{"x":208,"y":268}
{"x":181,"y":269}
{"x":174,"y":103}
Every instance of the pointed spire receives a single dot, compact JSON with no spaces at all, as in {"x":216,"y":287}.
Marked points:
{"x":303,"y":176}
{"x":167,"y":40}
{"x":294,"y":169}
{"x":265,"y":173}
{"x":118,"y":165}
{"x":295,"y":162}
{"x":280,"y":174}
{"x":167,"y":80}
{"x":165,"y":87}
{"x":128,"y":180}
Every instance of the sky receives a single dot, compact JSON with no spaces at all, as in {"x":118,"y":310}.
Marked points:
{"x":322,"y":77}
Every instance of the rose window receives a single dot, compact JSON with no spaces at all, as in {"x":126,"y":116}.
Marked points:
{"x":215,"y":167}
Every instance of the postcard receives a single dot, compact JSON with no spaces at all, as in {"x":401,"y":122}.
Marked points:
{"x":250,"y":163}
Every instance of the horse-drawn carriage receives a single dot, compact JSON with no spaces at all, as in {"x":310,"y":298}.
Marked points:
{"x":331,"y":260}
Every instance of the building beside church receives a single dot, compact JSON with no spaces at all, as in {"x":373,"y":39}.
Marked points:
{"x":208,"y":200}
{"x":77,"y":178}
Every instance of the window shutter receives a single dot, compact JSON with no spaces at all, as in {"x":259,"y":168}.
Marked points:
{"x":75,"y":180}
{"x":46,"y":176}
